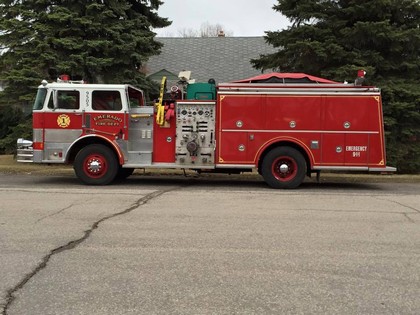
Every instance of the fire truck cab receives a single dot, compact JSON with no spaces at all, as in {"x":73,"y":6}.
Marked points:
{"x":283,"y":130}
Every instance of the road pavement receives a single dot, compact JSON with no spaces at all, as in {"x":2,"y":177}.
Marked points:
{"x":187,"y":245}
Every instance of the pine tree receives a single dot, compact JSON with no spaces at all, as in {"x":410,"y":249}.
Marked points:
{"x":98,"y":41}
{"x":334,"y":38}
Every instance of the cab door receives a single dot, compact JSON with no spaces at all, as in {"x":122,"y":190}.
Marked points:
{"x":62,"y":123}
{"x":106,"y":113}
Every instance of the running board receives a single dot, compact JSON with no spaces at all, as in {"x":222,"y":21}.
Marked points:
{"x":355,"y":168}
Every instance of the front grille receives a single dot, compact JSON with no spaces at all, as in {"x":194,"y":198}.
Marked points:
{"x":25,"y":155}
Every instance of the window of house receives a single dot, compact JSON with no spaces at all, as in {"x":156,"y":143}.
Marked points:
{"x":106,"y":101}
{"x":64,"y":100}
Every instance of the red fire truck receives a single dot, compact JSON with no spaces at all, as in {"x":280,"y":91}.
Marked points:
{"x":285,"y":126}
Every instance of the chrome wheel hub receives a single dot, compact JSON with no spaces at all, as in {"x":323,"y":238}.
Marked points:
{"x":284,"y":168}
{"x":94,"y":166}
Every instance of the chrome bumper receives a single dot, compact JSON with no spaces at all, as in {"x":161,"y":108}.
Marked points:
{"x":25,"y":151}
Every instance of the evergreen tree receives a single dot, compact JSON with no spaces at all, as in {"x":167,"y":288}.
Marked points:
{"x":95,"y":40}
{"x":334,"y":38}
{"x":15,"y":130}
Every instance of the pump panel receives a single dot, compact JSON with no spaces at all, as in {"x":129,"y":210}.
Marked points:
{"x":195,"y":142}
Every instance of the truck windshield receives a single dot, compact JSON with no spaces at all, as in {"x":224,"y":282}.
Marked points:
{"x":40,"y":99}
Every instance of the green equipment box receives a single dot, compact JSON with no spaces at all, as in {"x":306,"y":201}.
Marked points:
{"x":201,"y":91}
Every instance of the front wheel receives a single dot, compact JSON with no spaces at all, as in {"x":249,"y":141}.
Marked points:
{"x":96,"y":164}
{"x":283,"y":167}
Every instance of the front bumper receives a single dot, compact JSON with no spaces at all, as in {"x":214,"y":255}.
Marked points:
{"x":25,"y":151}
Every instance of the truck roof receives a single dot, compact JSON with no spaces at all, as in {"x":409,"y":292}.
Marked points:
{"x":88,"y":86}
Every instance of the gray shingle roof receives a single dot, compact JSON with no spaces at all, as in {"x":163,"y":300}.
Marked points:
{"x":221,"y":58}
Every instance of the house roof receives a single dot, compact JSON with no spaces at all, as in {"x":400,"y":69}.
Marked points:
{"x":224,"y":59}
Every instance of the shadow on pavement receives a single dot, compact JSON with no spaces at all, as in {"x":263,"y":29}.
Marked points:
{"x":215,"y":182}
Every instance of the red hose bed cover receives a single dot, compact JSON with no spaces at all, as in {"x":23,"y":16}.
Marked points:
{"x":278,"y":77}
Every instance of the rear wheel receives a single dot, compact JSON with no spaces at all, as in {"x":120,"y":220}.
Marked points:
{"x":283,"y":167}
{"x":96,"y":164}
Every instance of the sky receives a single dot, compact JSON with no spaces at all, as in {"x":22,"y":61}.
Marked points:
{"x":238,"y":17}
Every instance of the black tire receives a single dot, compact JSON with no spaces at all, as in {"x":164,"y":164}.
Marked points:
{"x":123,"y":173}
{"x":283,"y":167}
{"x":96,"y":164}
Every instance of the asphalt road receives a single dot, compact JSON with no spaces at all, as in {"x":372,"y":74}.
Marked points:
{"x":174,"y":245}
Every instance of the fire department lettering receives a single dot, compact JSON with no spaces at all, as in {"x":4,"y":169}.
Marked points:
{"x":356,"y":150}
{"x":63,"y":121}
{"x":107,"y":120}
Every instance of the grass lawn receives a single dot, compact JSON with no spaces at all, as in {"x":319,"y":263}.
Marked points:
{"x":8,"y":164}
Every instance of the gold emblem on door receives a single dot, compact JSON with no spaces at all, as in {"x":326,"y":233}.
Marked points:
{"x":63,"y":121}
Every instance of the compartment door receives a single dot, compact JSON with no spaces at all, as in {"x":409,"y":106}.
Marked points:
{"x":333,"y":146}
{"x":233,"y":148}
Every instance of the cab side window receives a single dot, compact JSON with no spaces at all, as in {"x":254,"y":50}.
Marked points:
{"x":64,"y":100}
{"x":106,"y":101}
{"x":136,"y":98}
